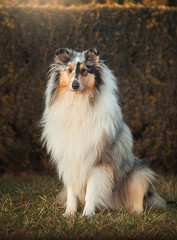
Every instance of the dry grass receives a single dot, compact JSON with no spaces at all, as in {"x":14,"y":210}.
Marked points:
{"x":28,"y":211}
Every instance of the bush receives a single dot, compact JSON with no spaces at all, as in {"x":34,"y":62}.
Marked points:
{"x":171,"y":3}
{"x":139,"y":45}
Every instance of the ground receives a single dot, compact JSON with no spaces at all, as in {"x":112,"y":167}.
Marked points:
{"x":28,"y":210}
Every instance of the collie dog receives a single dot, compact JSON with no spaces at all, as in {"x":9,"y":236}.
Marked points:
{"x":88,"y":140}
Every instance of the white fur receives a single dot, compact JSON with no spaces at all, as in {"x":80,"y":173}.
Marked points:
{"x":71,"y":202}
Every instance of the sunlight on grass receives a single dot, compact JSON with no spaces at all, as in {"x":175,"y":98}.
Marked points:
{"x":28,"y":208}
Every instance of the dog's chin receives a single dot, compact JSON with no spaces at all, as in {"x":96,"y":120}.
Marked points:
{"x":76,"y":90}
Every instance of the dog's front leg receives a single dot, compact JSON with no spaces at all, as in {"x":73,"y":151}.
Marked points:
{"x":99,"y":189}
{"x":71,"y":204}
{"x":92,"y":192}
{"x":91,"y":197}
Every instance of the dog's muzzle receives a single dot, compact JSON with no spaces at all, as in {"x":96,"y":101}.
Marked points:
{"x":75,"y":85}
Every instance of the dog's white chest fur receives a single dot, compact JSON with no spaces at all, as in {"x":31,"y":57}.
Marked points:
{"x":74,"y":131}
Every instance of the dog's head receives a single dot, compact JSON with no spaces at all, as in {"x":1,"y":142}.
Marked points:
{"x":79,"y":71}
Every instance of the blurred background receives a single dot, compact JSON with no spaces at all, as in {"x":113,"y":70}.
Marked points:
{"x":138,"y":40}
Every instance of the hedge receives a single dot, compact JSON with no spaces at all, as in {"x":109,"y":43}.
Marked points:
{"x":170,"y":3}
{"x":139,"y":44}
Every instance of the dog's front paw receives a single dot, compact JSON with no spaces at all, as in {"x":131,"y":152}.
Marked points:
{"x":69,"y":213}
{"x":88,"y":212}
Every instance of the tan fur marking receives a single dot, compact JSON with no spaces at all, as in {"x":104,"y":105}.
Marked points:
{"x":65,"y":80}
{"x":137,"y":190}
{"x":82,"y":66}
{"x":72,"y":66}
{"x":88,"y":82}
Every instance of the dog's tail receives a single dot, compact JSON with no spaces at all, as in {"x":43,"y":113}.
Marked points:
{"x":153,"y":199}
{"x":144,"y":178}
{"x":140,"y":190}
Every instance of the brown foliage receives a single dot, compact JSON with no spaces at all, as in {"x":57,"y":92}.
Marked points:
{"x":139,"y":44}
{"x":67,"y":3}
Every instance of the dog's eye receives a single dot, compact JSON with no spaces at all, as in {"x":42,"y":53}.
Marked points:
{"x":83,"y":71}
{"x":70,"y":70}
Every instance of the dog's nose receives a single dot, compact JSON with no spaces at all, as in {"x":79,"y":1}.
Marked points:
{"x":75,"y":85}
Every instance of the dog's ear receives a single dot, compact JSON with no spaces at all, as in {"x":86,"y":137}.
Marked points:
{"x":62,"y":55}
{"x":92,"y":55}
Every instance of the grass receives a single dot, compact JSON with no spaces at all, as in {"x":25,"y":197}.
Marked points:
{"x":28,"y":210}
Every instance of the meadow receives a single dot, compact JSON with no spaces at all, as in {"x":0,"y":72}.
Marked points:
{"x":28,"y":210}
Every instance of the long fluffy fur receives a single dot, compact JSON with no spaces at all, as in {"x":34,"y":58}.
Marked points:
{"x":90,"y":143}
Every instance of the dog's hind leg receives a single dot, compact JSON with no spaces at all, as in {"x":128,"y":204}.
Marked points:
{"x":138,"y":185}
{"x":99,"y":189}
